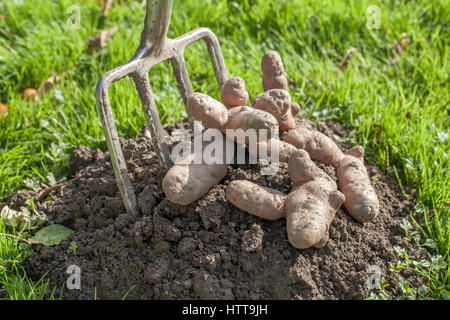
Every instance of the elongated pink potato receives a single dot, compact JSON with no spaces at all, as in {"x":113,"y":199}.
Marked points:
{"x":312,"y":203}
{"x":319,"y":146}
{"x":209,"y":111}
{"x":263,"y":202}
{"x":361,"y":199}
{"x":272,"y":67}
{"x":187,"y":182}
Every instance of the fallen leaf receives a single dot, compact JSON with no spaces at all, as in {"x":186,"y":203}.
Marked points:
{"x":47,"y":84}
{"x":3,"y":111}
{"x":399,"y":46}
{"x":346,"y":58}
{"x":101,"y":39}
{"x":51,"y":235}
{"x":30,"y":94}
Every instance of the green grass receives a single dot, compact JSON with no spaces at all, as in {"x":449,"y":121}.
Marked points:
{"x":372,"y":95}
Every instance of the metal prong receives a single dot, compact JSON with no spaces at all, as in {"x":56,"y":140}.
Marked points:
{"x":151,"y":114}
{"x":115,"y":149}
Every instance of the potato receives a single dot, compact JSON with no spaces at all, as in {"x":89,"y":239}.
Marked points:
{"x":312,"y":203}
{"x":274,"y":76}
{"x":361,"y":199}
{"x":246,"y":118}
{"x":284,"y":149}
{"x":209,"y":111}
{"x":263,"y":202}
{"x":319,"y":146}
{"x":187,"y":182}
{"x":278,"y":82}
{"x":271,"y":64}
{"x":233,"y":93}
{"x":278,"y":103}
{"x":309,"y":208}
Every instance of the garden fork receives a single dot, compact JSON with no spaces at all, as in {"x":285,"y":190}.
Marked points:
{"x":154,"y":48}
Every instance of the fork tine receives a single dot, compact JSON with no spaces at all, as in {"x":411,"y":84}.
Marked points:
{"x":144,"y":89}
{"x":113,"y":142}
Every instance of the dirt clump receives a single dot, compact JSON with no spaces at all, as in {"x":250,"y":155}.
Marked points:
{"x":208,"y":249}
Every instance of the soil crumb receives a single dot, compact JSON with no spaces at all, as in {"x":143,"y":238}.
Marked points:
{"x":209,"y":249}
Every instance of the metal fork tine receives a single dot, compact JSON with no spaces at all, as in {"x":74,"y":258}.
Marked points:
{"x":151,"y":114}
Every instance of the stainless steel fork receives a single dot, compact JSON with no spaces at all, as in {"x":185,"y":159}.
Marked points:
{"x":154,"y":48}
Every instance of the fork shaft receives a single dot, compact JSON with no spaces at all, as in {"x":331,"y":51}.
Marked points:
{"x":157,"y":18}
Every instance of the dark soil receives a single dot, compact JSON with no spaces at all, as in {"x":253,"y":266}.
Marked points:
{"x":209,"y":249}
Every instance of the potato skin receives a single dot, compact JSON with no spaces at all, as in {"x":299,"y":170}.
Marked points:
{"x":271,"y":64}
{"x":319,"y":146}
{"x":272,"y":67}
{"x":186,"y":183}
{"x":278,"y":103}
{"x":203,"y":108}
{"x":263,"y":202}
{"x":361,"y":199}
{"x":278,"y":82}
{"x":284,"y":149}
{"x":312,"y":203}
{"x":249,"y":118}
{"x":233,"y":93}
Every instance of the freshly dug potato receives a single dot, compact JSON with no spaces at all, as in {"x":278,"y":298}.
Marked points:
{"x":263,"y":202}
{"x":187,"y":182}
{"x":233,"y":93}
{"x":249,"y":118}
{"x":274,"y":76}
{"x":278,"y":103}
{"x":309,"y":208}
{"x":203,"y":108}
{"x":278,"y":82}
{"x":318,"y":145}
{"x":361,"y":200}
{"x":295,"y":108}
{"x":284,"y":149}
{"x":353,"y":180}
{"x":312,"y":203}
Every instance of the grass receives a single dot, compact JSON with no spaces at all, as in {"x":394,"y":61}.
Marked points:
{"x":399,"y":112}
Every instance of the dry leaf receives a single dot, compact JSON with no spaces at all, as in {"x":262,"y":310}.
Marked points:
{"x":101,"y":39}
{"x":346,"y":58}
{"x":30,"y":94}
{"x":399,"y":47}
{"x":47,"y":84}
{"x":3,"y":110}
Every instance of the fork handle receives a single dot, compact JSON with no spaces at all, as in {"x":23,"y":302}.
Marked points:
{"x":157,"y":18}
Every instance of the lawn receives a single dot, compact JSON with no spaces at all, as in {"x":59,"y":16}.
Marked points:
{"x":398,"y":109}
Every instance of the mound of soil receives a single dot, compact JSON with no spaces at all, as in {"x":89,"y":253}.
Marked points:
{"x":209,"y":249}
